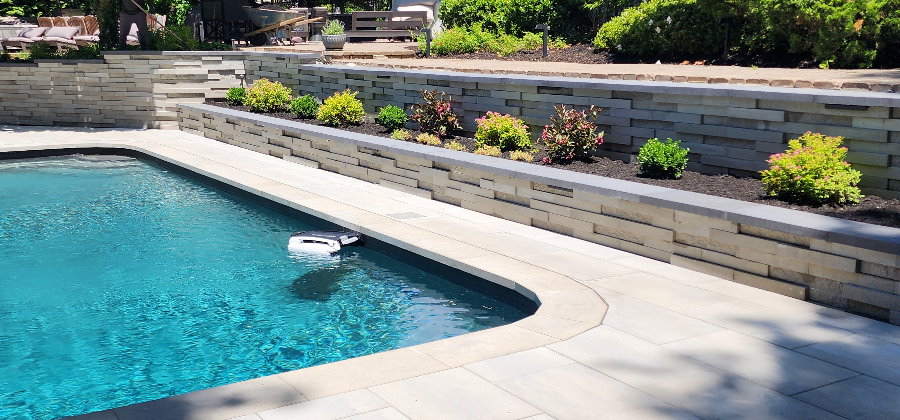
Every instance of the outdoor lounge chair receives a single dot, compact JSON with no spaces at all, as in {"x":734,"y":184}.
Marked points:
{"x":45,"y":22}
{"x":91,"y":34}
{"x":23,"y":38}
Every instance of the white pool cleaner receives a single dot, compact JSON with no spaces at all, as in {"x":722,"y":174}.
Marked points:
{"x":322,"y":241}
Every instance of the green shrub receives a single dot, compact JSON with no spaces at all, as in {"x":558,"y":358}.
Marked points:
{"x":834,"y":33}
{"x":306,"y":106}
{"x":341,"y":109}
{"x":571,"y":134}
{"x":334,"y":27}
{"x":173,"y":38}
{"x":267,"y":96}
{"x":236,"y":96}
{"x":392,"y":117}
{"x":521,"y":155}
{"x":664,"y":29}
{"x":435,"y":115}
{"x":488,"y":151}
{"x":462,"y":40}
{"x":507,"y":16}
{"x":84,"y":52}
{"x":455,"y":145}
{"x":429,"y":139}
{"x":41,"y":50}
{"x":665,"y":160}
{"x":401,"y":134}
{"x":812,"y":171}
{"x":504,"y":131}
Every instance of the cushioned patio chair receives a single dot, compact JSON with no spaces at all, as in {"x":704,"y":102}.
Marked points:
{"x":45,"y":22}
{"x":91,"y":34}
{"x":23,"y":38}
{"x":59,"y":21}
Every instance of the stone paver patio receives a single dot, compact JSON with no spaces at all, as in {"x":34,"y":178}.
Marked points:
{"x":617,"y":335}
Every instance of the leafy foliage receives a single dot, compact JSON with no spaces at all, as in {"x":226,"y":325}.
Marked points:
{"x":306,"y":106}
{"x":236,"y":96}
{"x":571,"y":134}
{"x":498,"y":16}
{"x":812,"y":171}
{"x":36,"y":8}
{"x":429,"y":139}
{"x":267,"y":96}
{"x":504,"y":131}
{"x":455,"y":145}
{"x":108,"y":21}
{"x":462,"y":40}
{"x":834,"y":33}
{"x":401,"y":134}
{"x":489,"y":151}
{"x":435,"y":115}
{"x":334,"y":27}
{"x":42,"y":50}
{"x":521,"y":155}
{"x":341,"y":109}
{"x":659,"y":159}
{"x":392,"y":117}
{"x":664,"y":29}
{"x":84,"y":52}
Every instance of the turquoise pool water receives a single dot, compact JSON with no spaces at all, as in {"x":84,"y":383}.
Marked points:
{"x":122,"y":282}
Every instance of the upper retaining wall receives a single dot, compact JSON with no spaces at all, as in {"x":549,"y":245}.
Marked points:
{"x":729,"y":128}
{"x":125,"y":89}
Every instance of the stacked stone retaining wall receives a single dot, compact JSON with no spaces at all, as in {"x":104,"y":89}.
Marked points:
{"x":729,"y":128}
{"x":841,"y":263}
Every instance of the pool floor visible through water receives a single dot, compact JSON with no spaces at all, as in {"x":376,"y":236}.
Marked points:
{"x":122,"y":281}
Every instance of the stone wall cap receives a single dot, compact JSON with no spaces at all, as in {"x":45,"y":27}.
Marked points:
{"x":839,"y":97}
{"x":848,"y":232}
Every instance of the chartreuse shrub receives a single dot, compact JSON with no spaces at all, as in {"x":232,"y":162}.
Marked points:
{"x":659,"y":159}
{"x":812,"y":171}
{"x":392,"y":117}
{"x":306,"y":106}
{"x":488,"y":151}
{"x":455,"y":145}
{"x":429,"y":139}
{"x":521,"y":155}
{"x":571,"y":134}
{"x":341,"y":109}
{"x":435,"y":115}
{"x":664,"y":29}
{"x":401,"y":134}
{"x":267,"y":96}
{"x":236,"y":96}
{"x":504,"y":131}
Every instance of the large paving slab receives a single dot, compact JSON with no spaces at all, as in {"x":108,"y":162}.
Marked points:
{"x":616,"y":336}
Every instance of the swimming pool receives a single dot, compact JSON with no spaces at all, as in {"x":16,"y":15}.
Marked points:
{"x":122,"y":281}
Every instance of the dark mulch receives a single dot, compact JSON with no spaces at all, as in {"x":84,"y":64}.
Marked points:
{"x":872,"y":209}
{"x":585,"y":54}
{"x":581,"y":53}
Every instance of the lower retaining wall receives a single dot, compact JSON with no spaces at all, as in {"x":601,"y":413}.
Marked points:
{"x":841,"y":263}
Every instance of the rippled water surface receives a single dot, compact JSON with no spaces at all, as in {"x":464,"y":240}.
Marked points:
{"x":123,"y":282}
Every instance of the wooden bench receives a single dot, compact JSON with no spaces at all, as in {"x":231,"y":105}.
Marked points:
{"x":386,"y":24}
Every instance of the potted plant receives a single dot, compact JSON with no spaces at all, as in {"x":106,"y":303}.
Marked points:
{"x":333,"y":36}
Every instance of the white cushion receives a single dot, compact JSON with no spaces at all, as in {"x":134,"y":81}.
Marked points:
{"x":66,"y":32}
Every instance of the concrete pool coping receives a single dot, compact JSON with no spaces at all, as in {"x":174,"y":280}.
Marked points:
{"x":659,"y":352}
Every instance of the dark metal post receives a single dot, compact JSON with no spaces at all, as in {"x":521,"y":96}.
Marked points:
{"x":546,"y":28}
{"x":428,"y":41}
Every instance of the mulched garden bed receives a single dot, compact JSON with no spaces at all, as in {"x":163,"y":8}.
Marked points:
{"x":584,"y":54}
{"x":871,"y":209}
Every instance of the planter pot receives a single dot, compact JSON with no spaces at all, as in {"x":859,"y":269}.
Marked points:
{"x":334,"y":42}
